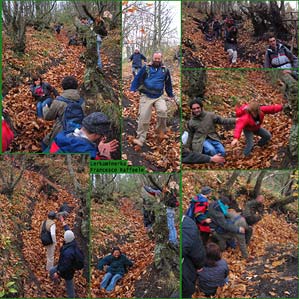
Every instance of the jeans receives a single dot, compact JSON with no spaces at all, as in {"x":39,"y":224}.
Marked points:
{"x":41,"y":105}
{"x":135,"y":70}
{"x":69,"y":284}
{"x":213,"y":147}
{"x":263,"y":133}
{"x":170,"y":213}
{"x":110,"y":280}
{"x":99,"y":44}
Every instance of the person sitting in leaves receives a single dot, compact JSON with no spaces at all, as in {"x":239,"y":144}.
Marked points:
{"x":94,"y":127}
{"x":42,"y":93}
{"x":115,"y":265}
{"x":250,"y":119}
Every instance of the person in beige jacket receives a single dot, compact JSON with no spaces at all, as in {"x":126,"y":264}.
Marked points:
{"x":51,"y":227}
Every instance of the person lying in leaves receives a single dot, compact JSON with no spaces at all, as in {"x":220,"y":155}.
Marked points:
{"x":115,"y":265}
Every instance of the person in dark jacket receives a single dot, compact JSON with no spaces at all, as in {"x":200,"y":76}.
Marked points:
{"x":151,"y":82}
{"x":136,"y":59}
{"x":230,"y":43}
{"x":115,"y":265}
{"x":42,"y":93}
{"x":193,"y":254}
{"x":254,"y":210}
{"x":65,"y":267}
{"x":95,"y":127}
{"x":215,"y":271}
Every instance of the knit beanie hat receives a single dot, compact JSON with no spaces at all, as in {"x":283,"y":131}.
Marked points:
{"x":69,"y":236}
{"x":97,"y":122}
{"x":206,"y":190}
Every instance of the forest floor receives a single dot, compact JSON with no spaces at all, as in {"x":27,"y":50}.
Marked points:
{"x":120,"y":223}
{"x":211,"y":54}
{"x":47,"y":54}
{"x":154,"y":155}
{"x":272,"y":273}
{"x":23,"y":257}
{"x":224,"y":91}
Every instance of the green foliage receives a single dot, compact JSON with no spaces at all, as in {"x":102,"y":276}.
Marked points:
{"x":8,"y":289}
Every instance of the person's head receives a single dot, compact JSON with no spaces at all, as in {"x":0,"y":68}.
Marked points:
{"x":68,"y":236}
{"x":225,"y":200}
{"x":37,"y":80}
{"x":69,"y":82}
{"x":272,"y":41}
{"x":253,"y":108}
{"x":196,"y":106}
{"x":206,"y":191}
{"x":213,"y":254}
{"x":96,"y":125}
{"x":136,"y":51}
{"x":260,"y":198}
{"x":157,"y":59}
{"x":116,"y":252}
{"x":52,"y":215}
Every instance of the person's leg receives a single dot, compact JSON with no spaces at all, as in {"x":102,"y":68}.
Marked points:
{"x":113,"y":282}
{"x":161,"y":108}
{"x":52,"y":271}
{"x":218,"y":147}
{"x":208,"y":148}
{"x":99,"y":63}
{"x":105,"y":280}
{"x":249,"y":142}
{"x":242,"y":243}
{"x":172,"y":234}
{"x":248,"y":234}
{"x":265,"y":136}
{"x":234,"y":56}
{"x":70,"y":288}
{"x":145,"y":113}
{"x":50,"y":256}
{"x":230,"y":54}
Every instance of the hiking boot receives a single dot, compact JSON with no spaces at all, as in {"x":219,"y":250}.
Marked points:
{"x":138,"y":142}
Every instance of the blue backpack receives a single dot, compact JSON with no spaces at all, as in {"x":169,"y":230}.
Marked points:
{"x":190,"y":211}
{"x":73,"y":114}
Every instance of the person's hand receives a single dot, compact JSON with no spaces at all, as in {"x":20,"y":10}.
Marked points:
{"x":234,"y":142}
{"x":217,"y":159}
{"x":208,"y":220}
{"x":241,"y":230}
{"x":61,"y":218}
{"x":55,"y":276}
{"x":105,"y":149}
{"x":199,"y":270}
{"x":105,"y":267}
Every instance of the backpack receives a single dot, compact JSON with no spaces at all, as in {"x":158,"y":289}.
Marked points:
{"x":100,"y":29}
{"x":73,"y":114}
{"x":79,"y":259}
{"x":171,"y":199}
{"x":45,"y":235}
{"x":190,"y":211}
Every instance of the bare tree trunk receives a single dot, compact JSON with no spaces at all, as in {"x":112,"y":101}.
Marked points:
{"x":232,"y":179}
{"x":258,"y":184}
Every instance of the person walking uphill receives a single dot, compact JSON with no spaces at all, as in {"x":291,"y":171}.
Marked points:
{"x":250,"y":119}
{"x":151,"y":81}
{"x":136,"y":59}
{"x":115,"y":266}
{"x":69,"y":101}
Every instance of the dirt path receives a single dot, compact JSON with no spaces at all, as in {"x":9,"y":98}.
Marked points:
{"x":154,"y":155}
{"x":38,"y":283}
{"x":122,"y":226}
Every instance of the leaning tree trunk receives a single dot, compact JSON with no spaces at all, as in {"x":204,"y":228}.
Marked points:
{"x":258,"y":184}
{"x":232,"y":179}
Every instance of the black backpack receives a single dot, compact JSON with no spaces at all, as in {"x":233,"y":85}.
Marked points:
{"x":79,"y":259}
{"x":45,"y":235}
{"x":171,"y":199}
{"x":73,"y":114}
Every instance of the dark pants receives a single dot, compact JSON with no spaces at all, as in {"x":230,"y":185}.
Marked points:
{"x":263,"y":133}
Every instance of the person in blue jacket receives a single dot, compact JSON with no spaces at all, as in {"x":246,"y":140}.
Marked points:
{"x":151,"y":81}
{"x":136,"y":59}
{"x":115,"y":265}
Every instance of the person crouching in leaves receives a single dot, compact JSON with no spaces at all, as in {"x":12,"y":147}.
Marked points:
{"x":115,"y":266}
{"x":215,"y":271}
{"x":249,"y":120}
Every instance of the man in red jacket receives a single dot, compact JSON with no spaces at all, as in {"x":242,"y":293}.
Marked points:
{"x":249,"y":119}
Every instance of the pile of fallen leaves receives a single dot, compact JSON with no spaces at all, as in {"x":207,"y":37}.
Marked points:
{"x":119,"y":225}
{"x":272,"y":231}
{"x":163,"y":155}
{"x":211,"y":53}
{"x":227,"y":89}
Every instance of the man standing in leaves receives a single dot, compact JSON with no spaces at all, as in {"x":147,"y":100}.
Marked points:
{"x":254,"y":210}
{"x":230,"y":44}
{"x":151,"y":81}
{"x":51,"y":227}
{"x":136,"y":59}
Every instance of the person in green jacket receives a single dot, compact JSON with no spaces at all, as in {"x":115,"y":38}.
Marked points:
{"x":115,"y":265}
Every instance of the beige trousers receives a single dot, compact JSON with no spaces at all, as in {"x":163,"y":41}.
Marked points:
{"x":50,"y":256}
{"x":145,"y":113}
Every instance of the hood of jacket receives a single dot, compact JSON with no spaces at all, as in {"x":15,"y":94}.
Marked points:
{"x":71,"y":94}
